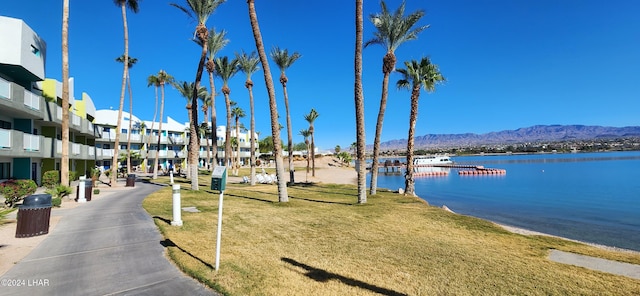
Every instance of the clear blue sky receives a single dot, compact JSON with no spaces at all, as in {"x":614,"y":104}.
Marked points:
{"x":509,"y":64}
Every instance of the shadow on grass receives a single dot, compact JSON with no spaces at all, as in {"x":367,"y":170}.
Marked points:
{"x":169,"y":243}
{"x":251,"y":198}
{"x":311,"y":186}
{"x":165,"y":220}
{"x":322,"y":275}
{"x":322,"y":201}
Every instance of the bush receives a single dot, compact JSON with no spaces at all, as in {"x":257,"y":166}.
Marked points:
{"x":16,"y":190}
{"x":96,"y":191}
{"x":50,"y":179}
{"x":60,"y":191}
{"x":73,"y":175}
{"x":56,"y":202}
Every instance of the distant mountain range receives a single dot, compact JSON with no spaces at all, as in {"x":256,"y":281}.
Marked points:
{"x":535,"y":133}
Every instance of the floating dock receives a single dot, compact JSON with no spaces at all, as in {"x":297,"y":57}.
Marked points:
{"x":395,"y":167}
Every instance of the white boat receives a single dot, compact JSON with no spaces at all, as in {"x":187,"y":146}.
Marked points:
{"x":432,"y":160}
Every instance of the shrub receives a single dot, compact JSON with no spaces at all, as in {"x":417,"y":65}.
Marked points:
{"x":96,"y":191}
{"x":15,"y":190}
{"x":60,"y":191}
{"x":56,"y":202}
{"x":95,"y":173}
{"x":73,"y":175}
{"x":50,"y":179}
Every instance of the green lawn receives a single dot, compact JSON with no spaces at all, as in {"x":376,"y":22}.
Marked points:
{"x":323,"y":243}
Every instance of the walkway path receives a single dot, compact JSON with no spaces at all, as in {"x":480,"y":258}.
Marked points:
{"x":109,"y":246}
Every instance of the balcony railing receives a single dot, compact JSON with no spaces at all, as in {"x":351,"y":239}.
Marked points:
{"x":31,"y":100}
{"x":5,"y":139}
{"x":107,"y":152}
{"x":5,"y":89}
{"x":31,"y":142}
{"x":75,"y":149}
{"x":75,"y":119}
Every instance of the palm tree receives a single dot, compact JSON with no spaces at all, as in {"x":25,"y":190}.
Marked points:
{"x":359,"y":102}
{"x":393,"y":29}
{"x":64,"y":161}
{"x":273,"y":108}
{"x":306,"y":134}
{"x":248,"y":64}
{"x":215,"y":42}
{"x":132,"y":61}
{"x":202,"y":9}
{"x":310,"y":118}
{"x":206,"y":103}
{"x":151,"y":80}
{"x":163,"y":78}
{"x":186,"y":89}
{"x":225,"y":69}
{"x":238,"y":113}
{"x":282,"y":58}
{"x":417,"y":75}
{"x":133,"y":6}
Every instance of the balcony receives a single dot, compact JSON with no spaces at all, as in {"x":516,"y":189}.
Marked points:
{"x":18,"y":101}
{"x":15,"y":143}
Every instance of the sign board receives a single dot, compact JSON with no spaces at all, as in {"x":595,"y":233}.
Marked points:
{"x":219,"y":178}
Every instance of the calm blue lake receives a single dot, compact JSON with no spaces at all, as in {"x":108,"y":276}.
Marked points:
{"x":592,"y":197}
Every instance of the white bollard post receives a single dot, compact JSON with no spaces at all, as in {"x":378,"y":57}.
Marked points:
{"x":177,"y":219}
{"x":219,"y":235}
{"x":81,"y":197}
{"x":171,"y":176}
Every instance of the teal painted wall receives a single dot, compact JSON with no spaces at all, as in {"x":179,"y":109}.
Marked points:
{"x":22,"y":168}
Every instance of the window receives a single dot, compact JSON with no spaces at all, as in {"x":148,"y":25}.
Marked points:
{"x":123,"y":147}
{"x":35,"y":50}
{"x":5,"y":124}
{"x":106,"y":129}
{"x":5,"y":170}
{"x":135,"y":146}
{"x":124,"y":131}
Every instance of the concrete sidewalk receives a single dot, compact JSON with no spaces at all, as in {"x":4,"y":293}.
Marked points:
{"x":109,"y":246}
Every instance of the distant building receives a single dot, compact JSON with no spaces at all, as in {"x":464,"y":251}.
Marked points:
{"x":174,"y":142}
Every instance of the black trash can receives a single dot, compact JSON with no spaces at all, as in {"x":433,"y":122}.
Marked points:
{"x":88,"y":189}
{"x":131,"y":180}
{"x":34,"y":215}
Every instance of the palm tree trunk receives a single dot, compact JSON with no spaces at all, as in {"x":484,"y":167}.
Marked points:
{"x":130,"y":125}
{"x":155,"y":114}
{"x":376,"y":140}
{"x":214,"y":127}
{"x":275,"y":128}
{"x":313,"y":151}
{"x":206,"y":122}
{"x":194,"y":148}
{"x":190,"y":156}
{"x":116,"y":148}
{"x":413,"y":117}
{"x":237,"y":166}
{"x":227,"y":139}
{"x":155,"y":164}
{"x":289,"y":135}
{"x":253,"y":138}
{"x":64,"y":161}
{"x":359,"y":102}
